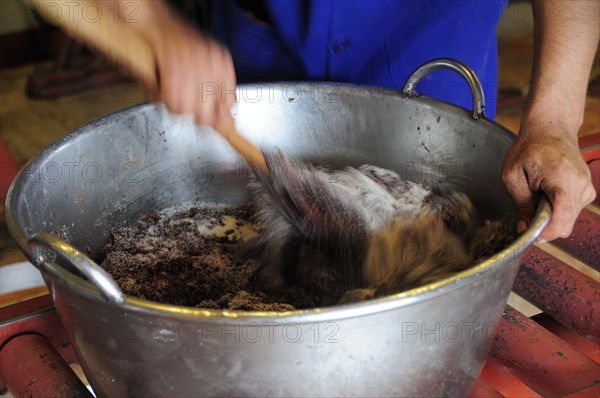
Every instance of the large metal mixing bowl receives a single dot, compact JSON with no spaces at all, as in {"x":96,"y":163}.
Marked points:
{"x":429,"y":341}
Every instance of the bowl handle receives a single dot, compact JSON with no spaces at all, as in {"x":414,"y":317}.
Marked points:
{"x":94,"y":273}
{"x":457,"y":66}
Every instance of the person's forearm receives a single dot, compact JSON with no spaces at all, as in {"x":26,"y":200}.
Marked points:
{"x":545,"y":157}
{"x":566,"y":39}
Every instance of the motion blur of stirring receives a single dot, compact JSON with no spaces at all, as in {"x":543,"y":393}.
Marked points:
{"x":364,"y":232}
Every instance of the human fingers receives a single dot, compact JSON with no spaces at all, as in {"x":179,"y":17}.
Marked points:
{"x":568,"y":193}
{"x":213,"y":77}
{"x":517,"y":184}
{"x":225,"y":75}
{"x":173,"y":91}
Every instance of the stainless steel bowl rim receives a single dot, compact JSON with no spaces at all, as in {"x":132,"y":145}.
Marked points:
{"x":406,"y":298}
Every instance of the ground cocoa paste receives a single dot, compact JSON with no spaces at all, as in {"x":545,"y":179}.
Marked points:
{"x":173,"y":257}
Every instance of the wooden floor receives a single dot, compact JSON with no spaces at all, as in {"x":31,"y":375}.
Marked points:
{"x":28,"y":125}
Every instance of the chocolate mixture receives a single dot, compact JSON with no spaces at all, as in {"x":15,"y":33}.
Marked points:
{"x":205,"y":256}
{"x":341,"y":236}
{"x":187,"y":257}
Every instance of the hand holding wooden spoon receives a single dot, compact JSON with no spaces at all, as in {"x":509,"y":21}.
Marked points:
{"x":188,"y":71}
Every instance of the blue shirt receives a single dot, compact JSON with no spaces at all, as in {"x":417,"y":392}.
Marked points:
{"x":372,"y":42}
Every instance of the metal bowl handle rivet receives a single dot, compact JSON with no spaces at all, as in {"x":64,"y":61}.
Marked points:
{"x":457,"y":66}
{"x":93,"y":272}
